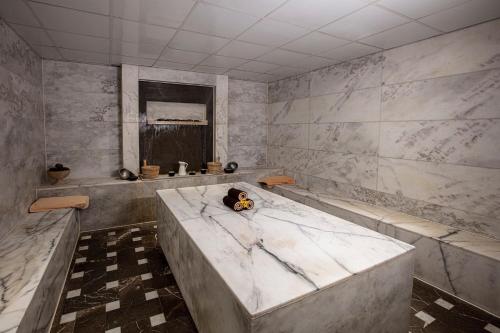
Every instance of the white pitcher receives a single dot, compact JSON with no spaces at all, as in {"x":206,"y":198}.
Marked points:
{"x":182,"y":168}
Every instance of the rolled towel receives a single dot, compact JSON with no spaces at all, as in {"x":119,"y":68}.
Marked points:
{"x":247,"y":203}
{"x":237,"y":194}
{"x":232,"y":203}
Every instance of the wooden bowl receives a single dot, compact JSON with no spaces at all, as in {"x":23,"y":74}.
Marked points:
{"x":150,"y":171}
{"x":57,"y":176}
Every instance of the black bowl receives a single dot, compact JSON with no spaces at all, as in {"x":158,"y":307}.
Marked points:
{"x":171,"y":173}
{"x":232,"y":165}
{"x":228,"y":170}
{"x":203,"y":171}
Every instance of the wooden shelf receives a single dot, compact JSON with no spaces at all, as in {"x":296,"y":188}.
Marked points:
{"x":180,"y":122}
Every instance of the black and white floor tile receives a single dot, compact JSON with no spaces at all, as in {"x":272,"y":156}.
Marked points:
{"x":120,"y":282}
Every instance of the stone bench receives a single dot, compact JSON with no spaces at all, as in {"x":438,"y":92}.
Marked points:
{"x":34,"y":259}
{"x":459,"y":262}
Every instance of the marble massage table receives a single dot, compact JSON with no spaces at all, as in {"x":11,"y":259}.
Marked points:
{"x":281,"y":267}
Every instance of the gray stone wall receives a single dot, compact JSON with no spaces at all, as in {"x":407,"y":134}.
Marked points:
{"x":21,"y":127}
{"x":83,"y":120}
{"x":415,"y":128}
{"x":247,"y":123}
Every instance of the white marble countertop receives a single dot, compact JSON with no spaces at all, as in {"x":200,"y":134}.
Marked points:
{"x":25,"y":253}
{"x":281,"y":250}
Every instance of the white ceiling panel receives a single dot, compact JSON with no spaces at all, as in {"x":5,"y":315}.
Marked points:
{"x":209,"y":69}
{"x":367,"y":21}
{"x":258,"y":8}
{"x":253,"y":40}
{"x":315,"y":43}
{"x":218,"y":21}
{"x":34,"y":36}
{"x":314,"y":14}
{"x":120,"y":59}
{"x":94,"y":6}
{"x":350,"y":51}
{"x":272,"y":33}
{"x":257,"y":66}
{"x":419,"y":8}
{"x":173,"y":65}
{"x":80,"y":42}
{"x":282,"y":57}
{"x":243,"y":50}
{"x":183,"y":57}
{"x":403,"y":34}
{"x":464,"y":15}
{"x":314,"y":62}
{"x":69,"y":20}
{"x":16,"y":11}
{"x":222,"y":61}
{"x":191,"y":41}
{"x":170,"y":13}
{"x":85,"y":57}
{"x":244,"y":75}
{"x":141,"y":50}
{"x":135,"y":32}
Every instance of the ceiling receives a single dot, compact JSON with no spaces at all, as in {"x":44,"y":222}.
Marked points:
{"x":257,"y":40}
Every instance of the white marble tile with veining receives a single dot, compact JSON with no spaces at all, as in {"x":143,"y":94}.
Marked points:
{"x":171,"y":75}
{"x":354,"y":138}
{"x":288,"y":135}
{"x":462,"y":187}
{"x":248,"y":156}
{"x":247,"y":92}
{"x":290,"y":112}
{"x":292,"y":159}
{"x":464,"y":96}
{"x":465,"y":142}
{"x":472,"y":49}
{"x":247,"y":134}
{"x":244,"y":112}
{"x":287,"y":249}
{"x":221,"y":100}
{"x":35,"y":240}
{"x":360,"y":170}
{"x":360,"y":73}
{"x":351,"y":106}
{"x":295,"y":87}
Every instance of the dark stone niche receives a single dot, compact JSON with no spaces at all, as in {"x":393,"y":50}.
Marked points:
{"x":164,"y":144}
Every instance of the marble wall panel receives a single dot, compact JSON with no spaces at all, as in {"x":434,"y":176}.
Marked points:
{"x":461,"y":187}
{"x":354,"y":138}
{"x":360,"y":73}
{"x":290,"y":159}
{"x":247,"y":92}
{"x":83,"y":124}
{"x":360,"y":170}
{"x":290,"y":112}
{"x":247,"y":123}
{"x":21,"y":129}
{"x":292,"y":135}
{"x":351,"y":106}
{"x":244,"y":112}
{"x":248,"y":134}
{"x":467,"y":50}
{"x":248,"y":156}
{"x":465,"y":96}
{"x":175,"y":76}
{"x":291,"y":88}
{"x":466,"y":142}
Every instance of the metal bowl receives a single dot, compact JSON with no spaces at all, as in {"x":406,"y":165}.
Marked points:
{"x":124,"y":174}
{"x":232,"y":165}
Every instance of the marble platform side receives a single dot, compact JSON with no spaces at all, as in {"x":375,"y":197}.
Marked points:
{"x":115,"y":202}
{"x":462,"y":263}
{"x":381,"y":298}
{"x":31,"y":287}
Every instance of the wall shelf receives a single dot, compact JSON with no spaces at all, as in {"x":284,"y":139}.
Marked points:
{"x":180,"y":122}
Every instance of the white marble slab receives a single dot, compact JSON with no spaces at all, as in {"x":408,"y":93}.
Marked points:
{"x":35,"y":257}
{"x":460,"y":262}
{"x":271,"y":257}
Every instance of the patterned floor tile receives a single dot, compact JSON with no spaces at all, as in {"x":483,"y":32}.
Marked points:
{"x":120,"y":282}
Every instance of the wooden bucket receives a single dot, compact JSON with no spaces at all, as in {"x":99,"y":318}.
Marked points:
{"x":150,"y":171}
{"x":214,"y":167}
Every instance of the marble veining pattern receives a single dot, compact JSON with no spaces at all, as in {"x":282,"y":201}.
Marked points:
{"x":21,"y":127}
{"x":414,"y":127}
{"x":36,"y":240}
{"x":250,"y":239}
